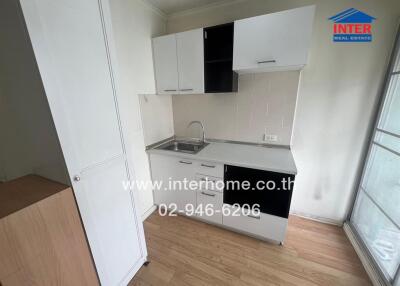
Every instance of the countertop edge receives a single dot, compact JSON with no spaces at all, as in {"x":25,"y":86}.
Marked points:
{"x":216,"y":160}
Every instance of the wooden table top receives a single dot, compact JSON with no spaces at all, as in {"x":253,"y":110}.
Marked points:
{"x":25,"y":191}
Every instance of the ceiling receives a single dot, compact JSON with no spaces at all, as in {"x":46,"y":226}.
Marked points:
{"x":174,"y":6}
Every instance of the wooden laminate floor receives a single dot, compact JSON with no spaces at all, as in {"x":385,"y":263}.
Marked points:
{"x":183,"y":251}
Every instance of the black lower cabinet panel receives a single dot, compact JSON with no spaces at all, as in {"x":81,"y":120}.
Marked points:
{"x":242,"y":186}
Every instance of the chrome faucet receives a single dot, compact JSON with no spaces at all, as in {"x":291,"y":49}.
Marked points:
{"x":202,"y":127}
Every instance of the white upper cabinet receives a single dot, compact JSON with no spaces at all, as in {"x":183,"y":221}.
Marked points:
{"x":278,"y":41}
{"x":166,"y":64}
{"x":272,"y":42}
{"x":179,"y":63}
{"x":190,"y":61}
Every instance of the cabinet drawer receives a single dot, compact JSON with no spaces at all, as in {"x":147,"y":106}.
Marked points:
{"x":210,"y":169}
{"x":265,"y":225}
{"x":210,"y":183}
{"x":177,"y":200}
{"x":206,"y":197}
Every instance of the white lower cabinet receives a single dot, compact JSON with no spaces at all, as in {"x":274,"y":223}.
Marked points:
{"x":262,"y":225}
{"x":171,"y":173}
{"x":208,"y":197}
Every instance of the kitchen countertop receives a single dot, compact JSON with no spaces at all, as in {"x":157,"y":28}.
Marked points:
{"x":275,"y":159}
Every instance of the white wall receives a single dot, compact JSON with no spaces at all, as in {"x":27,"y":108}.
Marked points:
{"x":134,"y":24}
{"x":158,"y":123}
{"x":337,"y":96}
{"x":264,"y":103}
{"x":29,"y":143}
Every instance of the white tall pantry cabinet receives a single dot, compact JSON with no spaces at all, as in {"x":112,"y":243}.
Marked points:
{"x":73,"y":46}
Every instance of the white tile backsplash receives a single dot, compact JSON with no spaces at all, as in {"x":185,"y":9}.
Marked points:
{"x":265,"y":103}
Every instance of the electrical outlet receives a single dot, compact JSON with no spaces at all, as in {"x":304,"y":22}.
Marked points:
{"x":270,"y":137}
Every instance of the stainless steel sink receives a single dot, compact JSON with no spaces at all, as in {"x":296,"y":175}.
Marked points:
{"x":184,"y":146}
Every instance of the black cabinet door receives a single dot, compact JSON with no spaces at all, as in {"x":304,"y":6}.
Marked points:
{"x":270,"y":190}
{"x":218,"y":59}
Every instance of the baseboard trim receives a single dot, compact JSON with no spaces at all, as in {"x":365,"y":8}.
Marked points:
{"x":148,"y":212}
{"x":318,"y":219}
{"x":368,"y":266}
{"x":132,"y":272}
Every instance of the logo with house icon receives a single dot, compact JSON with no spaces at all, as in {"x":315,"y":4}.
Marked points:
{"x":352,"y":25}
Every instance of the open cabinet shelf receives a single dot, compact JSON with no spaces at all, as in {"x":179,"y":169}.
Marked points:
{"x":218,"y":59}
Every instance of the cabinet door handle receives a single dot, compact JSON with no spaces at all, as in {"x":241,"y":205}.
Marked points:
{"x":185,"y":162}
{"x":206,"y":194}
{"x":167,"y":90}
{"x":266,"y":62}
{"x":208,"y":166}
{"x":252,"y":216}
{"x":186,"y":89}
